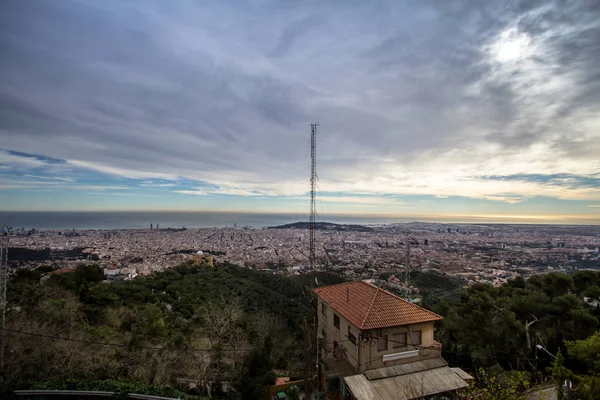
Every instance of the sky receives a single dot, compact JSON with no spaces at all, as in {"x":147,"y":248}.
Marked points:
{"x":424,"y":107}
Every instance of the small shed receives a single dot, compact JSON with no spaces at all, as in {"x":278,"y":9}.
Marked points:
{"x":407,"y":381}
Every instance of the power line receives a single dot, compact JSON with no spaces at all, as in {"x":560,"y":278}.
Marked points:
{"x":118,"y":345}
{"x":421,"y":347}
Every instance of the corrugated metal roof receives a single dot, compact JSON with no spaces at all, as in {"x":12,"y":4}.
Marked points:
{"x":463,"y":374}
{"x":403,"y":369}
{"x":369,"y":307}
{"x":405,"y":387}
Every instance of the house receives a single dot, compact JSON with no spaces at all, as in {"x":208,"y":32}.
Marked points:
{"x":374,"y":342}
{"x":113,"y":270}
{"x":201,"y":258}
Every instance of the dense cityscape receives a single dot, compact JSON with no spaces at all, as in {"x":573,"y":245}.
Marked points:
{"x":477,"y":253}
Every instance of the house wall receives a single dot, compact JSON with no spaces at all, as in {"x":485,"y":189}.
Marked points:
{"x":340,"y":335}
{"x":364,"y":355}
{"x":374,"y":358}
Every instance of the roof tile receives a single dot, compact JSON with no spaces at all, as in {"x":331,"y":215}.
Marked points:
{"x":369,"y":307}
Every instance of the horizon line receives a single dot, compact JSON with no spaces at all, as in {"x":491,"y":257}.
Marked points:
{"x":539,"y":219}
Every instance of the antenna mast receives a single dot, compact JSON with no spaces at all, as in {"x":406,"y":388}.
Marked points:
{"x":313,"y":193}
{"x":407,"y":261}
{"x":3,"y":281}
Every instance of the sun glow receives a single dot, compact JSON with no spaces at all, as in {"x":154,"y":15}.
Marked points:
{"x":511,"y":46}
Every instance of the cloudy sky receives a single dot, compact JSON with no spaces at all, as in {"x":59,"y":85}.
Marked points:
{"x":425,"y":107}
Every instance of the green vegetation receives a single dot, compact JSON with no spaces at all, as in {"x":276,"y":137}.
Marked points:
{"x":498,"y":328}
{"x":184,"y":331}
{"x":326,"y":226}
{"x":501,"y":385}
{"x":120,"y":387}
{"x":587,"y":351}
{"x":187,"y":327}
{"x":502,"y":325}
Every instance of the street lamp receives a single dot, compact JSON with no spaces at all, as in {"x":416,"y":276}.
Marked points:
{"x":540,"y":347}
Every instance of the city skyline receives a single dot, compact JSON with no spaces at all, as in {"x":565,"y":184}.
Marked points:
{"x":425,"y":108}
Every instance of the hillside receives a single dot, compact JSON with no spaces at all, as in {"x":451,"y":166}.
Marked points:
{"x":210,"y":322}
{"x":326,"y":226}
{"x":194,"y":324}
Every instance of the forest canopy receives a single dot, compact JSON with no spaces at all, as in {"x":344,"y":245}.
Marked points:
{"x":190,"y":328}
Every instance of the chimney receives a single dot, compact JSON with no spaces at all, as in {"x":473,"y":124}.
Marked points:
{"x":347,"y":295}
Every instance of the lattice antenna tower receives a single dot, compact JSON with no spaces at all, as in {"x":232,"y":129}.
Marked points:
{"x":3,"y":281}
{"x":407,"y":260}
{"x":313,"y":194}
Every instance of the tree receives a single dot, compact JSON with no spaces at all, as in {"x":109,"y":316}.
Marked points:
{"x":587,"y":350}
{"x":593,"y":292}
{"x":501,"y":385}
{"x":559,"y":373}
{"x":586,"y":386}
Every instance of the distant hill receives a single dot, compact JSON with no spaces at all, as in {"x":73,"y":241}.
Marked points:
{"x":325,"y":226}
{"x":19,"y":254}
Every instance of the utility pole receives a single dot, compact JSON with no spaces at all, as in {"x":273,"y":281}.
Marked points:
{"x":319,"y":338}
{"x":407,"y":261}
{"x":313,"y":194}
{"x":3,"y":282}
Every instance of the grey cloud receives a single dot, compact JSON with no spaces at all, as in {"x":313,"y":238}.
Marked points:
{"x":291,"y":33}
{"x":567,"y":180}
{"x":166,"y":117}
{"x":198,"y":90}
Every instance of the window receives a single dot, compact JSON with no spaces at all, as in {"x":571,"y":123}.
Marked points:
{"x":336,"y":321}
{"x":333,"y":384}
{"x":345,"y":391}
{"x":324,"y":309}
{"x":415,"y":337}
{"x":351,"y":336}
{"x":382,"y":343}
{"x":324,"y":334}
{"x":399,"y":340}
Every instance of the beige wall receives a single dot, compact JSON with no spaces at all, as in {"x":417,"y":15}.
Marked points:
{"x":374,"y":359}
{"x":339,"y":335}
{"x":364,"y":355}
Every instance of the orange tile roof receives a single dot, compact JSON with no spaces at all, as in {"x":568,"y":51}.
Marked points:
{"x":63,"y":270}
{"x":281,"y":380}
{"x":368,"y":307}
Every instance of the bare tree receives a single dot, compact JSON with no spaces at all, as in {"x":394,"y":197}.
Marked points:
{"x":221,"y":324}
{"x":309,"y":333}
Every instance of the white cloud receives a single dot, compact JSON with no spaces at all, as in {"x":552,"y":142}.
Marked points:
{"x":157,"y":185}
{"x":231,"y":191}
{"x":512,"y":46}
{"x":125,"y":173}
{"x":57,"y":178}
{"x":97,"y":187}
{"x":192,"y":192}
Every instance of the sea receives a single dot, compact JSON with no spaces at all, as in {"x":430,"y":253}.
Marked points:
{"x":142,"y":220}
{"x":45,"y":220}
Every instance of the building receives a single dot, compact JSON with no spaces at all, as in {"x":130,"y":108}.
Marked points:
{"x":201,"y":258}
{"x":374,"y":342}
{"x":113,"y":270}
